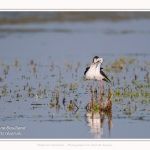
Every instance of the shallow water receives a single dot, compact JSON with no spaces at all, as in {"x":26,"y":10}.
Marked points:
{"x":52,"y":56}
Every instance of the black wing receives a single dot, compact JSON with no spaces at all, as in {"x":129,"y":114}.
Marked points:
{"x":86,"y":70}
{"x":102,"y":73}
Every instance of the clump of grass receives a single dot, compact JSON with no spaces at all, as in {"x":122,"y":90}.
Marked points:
{"x":29,"y":91}
{"x":70,"y":106}
{"x":52,"y":65}
{"x":108,"y":69}
{"x":112,"y":77}
{"x":56,"y":94}
{"x":131,"y":60}
{"x":5,"y":89}
{"x":100,"y":107}
{"x":118,"y":65}
{"x":1,"y":79}
{"x":24,"y":87}
{"x":52,"y":105}
{"x":38,"y":95}
{"x":95,"y":108}
{"x":16,"y":63}
{"x":71,"y":86}
{"x":127,"y":110}
{"x":78,"y":65}
{"x":17,"y":95}
{"x":118,"y":92}
{"x":34,"y":68}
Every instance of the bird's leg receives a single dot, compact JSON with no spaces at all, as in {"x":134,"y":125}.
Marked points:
{"x":88,"y":86}
{"x":93,"y":86}
{"x":93,"y":94}
{"x":89,"y":100}
{"x":101,"y":96}
{"x":101,"y":86}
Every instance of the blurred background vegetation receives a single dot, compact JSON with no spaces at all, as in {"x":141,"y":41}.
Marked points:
{"x":19,"y":17}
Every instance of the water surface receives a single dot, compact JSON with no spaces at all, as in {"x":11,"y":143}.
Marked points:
{"x":45,"y":56}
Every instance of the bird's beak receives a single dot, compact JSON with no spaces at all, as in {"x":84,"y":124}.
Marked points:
{"x":100,"y":62}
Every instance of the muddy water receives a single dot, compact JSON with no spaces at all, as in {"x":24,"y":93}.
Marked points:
{"x":39,"y":60}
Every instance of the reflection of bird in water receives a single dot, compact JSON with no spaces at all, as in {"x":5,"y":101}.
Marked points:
{"x":95,"y":71}
{"x":95,"y":121}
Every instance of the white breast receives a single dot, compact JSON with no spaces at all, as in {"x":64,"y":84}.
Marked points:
{"x":98,"y":76}
{"x":94,"y":72}
{"x":91,"y":72}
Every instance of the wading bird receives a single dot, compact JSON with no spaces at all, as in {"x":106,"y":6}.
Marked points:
{"x":95,"y":72}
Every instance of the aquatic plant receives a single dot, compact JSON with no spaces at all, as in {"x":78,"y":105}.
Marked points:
{"x":95,"y":108}
{"x":55,"y":86}
{"x":16,"y":63}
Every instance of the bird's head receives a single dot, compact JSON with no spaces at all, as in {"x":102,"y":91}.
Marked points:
{"x":95,"y":59}
{"x":100,"y":60}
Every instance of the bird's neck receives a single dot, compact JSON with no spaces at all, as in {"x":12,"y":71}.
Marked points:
{"x":98,"y":64}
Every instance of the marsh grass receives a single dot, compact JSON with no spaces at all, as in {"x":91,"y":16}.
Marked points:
{"x":63,"y":86}
{"x":101,"y":106}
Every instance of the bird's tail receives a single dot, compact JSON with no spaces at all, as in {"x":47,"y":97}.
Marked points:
{"x":107,"y":80}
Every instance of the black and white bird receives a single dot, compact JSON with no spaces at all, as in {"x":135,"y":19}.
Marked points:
{"x":95,"y":71}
